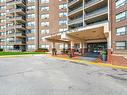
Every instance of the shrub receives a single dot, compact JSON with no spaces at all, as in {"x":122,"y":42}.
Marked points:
{"x":42,"y":50}
{"x":1,"y":49}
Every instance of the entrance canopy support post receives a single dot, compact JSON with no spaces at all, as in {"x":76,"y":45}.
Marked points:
{"x":81,"y":48}
{"x":54,"y":51}
{"x":109,"y":52}
{"x":72,"y":48}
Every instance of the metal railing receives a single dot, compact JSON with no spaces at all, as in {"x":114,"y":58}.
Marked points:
{"x":79,"y":19}
{"x":72,"y":2}
{"x":86,"y":4}
{"x":96,"y":13}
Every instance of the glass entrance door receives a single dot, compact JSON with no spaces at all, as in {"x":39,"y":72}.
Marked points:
{"x":96,"y":47}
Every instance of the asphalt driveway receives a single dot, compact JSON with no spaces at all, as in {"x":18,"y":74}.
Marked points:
{"x":40,"y":75}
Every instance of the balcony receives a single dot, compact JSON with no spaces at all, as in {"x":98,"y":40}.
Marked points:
{"x":96,"y":13}
{"x":91,"y":3}
{"x":77,"y":20}
{"x":22,"y":27}
{"x":20,"y":18}
{"x":10,"y":35}
{"x":20,"y":35}
{"x":10,"y":42}
{"x":20,"y":2}
{"x":19,"y":10}
{"x":71,"y":2}
{"x":19,"y":42}
{"x":17,"y":18}
{"x":80,"y":8}
{"x":17,"y":2}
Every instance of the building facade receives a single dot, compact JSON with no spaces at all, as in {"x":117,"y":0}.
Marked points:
{"x":118,"y":27}
{"x":23,"y":23}
{"x":94,"y":25}
{"x":87,"y":26}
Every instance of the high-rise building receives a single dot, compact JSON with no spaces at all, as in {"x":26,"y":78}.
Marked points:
{"x":118,"y":28}
{"x":87,"y":26}
{"x":94,"y":26}
{"x":23,"y":23}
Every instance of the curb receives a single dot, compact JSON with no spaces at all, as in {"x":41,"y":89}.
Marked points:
{"x":12,"y":56}
{"x":93,"y":63}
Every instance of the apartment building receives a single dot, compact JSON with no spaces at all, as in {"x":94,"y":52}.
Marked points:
{"x":88,"y":27}
{"x":23,"y":23}
{"x":118,"y":27}
{"x":52,"y":19}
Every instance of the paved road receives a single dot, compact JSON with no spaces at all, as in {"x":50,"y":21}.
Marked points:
{"x":39,"y":75}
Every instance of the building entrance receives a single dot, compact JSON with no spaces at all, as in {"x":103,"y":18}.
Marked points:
{"x":93,"y":49}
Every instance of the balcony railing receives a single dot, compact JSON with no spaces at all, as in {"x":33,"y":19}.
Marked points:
{"x":80,"y":19}
{"x":76,"y":10}
{"x":19,"y":35}
{"x":19,"y":42}
{"x":20,"y":26}
{"x":96,"y":13}
{"x":91,"y":2}
{"x":11,"y":2}
{"x":17,"y":10}
{"x":72,"y":2}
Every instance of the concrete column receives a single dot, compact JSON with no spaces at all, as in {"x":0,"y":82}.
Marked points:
{"x":53,"y":44}
{"x":84,"y":48}
{"x":54,"y":52}
{"x":109,"y":52}
{"x":63,"y":45}
{"x":72,"y":48}
{"x":81,"y":48}
{"x":63,"y":48}
{"x":72,"y":45}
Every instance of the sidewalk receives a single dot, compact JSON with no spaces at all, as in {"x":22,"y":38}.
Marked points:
{"x":79,"y":60}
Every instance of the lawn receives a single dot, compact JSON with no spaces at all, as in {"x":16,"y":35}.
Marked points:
{"x":20,"y":53}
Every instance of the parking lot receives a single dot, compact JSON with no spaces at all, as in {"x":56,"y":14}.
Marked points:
{"x":41,"y":75}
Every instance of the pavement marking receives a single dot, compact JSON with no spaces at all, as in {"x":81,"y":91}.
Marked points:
{"x":27,"y":55}
{"x":88,"y":62}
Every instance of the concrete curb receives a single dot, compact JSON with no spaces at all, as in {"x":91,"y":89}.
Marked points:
{"x":28,"y":55}
{"x":93,"y":63}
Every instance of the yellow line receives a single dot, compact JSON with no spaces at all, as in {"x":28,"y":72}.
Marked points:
{"x":13,"y":56}
{"x":94,"y":63}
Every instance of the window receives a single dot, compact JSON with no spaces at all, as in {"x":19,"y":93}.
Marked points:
{"x":3,"y":47}
{"x":121,"y":16}
{"x":2,"y":7}
{"x":63,"y":14}
{"x":45,"y":8}
{"x":31,"y":38}
{"x":44,"y":1}
{"x":30,"y":16}
{"x":63,"y":6}
{"x":30,"y":23}
{"x":31,"y":46}
{"x":45,"y":16}
{"x":45,"y":46}
{"x":46,"y":31}
{"x":30,"y":1}
{"x":2,"y":27}
{"x":2,"y":1}
{"x":2,"y":33}
{"x":30,"y":31}
{"x":120,"y":3}
{"x":121,"y":31}
{"x":45,"y":24}
{"x":30,"y":8}
{"x":121,"y":45}
{"x":63,"y":22}
{"x":9,"y":47}
{"x":63,"y":29}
